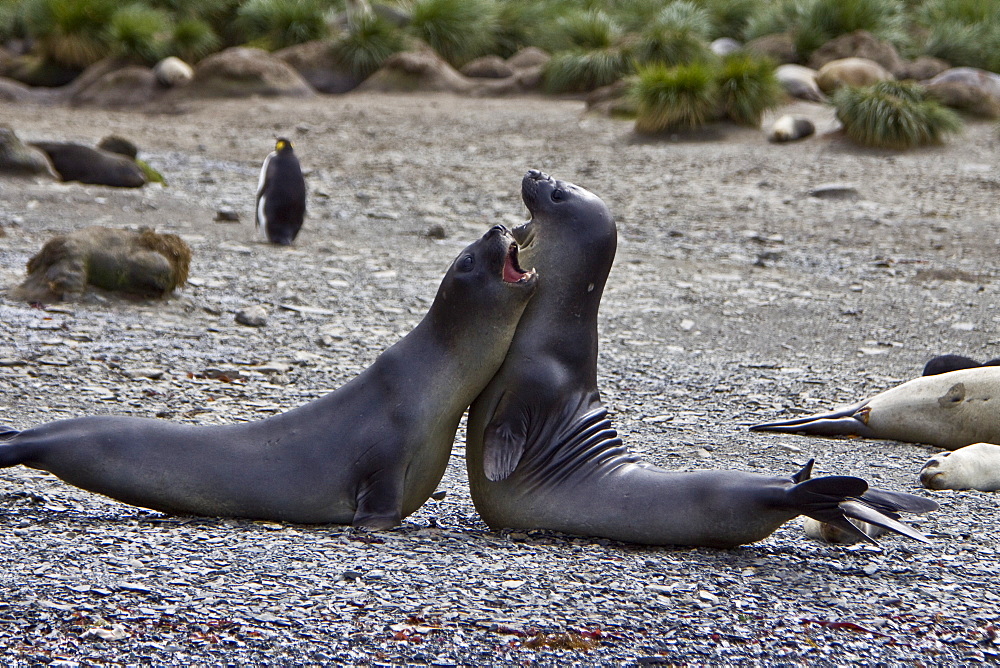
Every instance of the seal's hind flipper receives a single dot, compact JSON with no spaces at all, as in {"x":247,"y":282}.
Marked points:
{"x":505,"y":437}
{"x":7,"y":433}
{"x":838,"y":499}
{"x":849,"y":421}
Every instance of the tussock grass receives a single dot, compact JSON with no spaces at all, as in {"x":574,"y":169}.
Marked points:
{"x":678,"y":36}
{"x":459,"y":30}
{"x":363,"y":50}
{"x":582,"y":71}
{"x":748,"y":87}
{"x":895,"y":115}
{"x":70,"y":33}
{"x":275,"y":24}
{"x":140,"y":32}
{"x":680,"y":97}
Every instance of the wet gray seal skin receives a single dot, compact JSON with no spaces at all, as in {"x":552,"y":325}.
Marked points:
{"x":75,"y":162}
{"x":946,"y":363}
{"x":542,"y":454}
{"x":949,"y":410}
{"x":368,"y":454}
{"x":281,"y":195}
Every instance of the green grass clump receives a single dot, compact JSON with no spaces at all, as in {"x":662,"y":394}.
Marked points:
{"x":193,"y":39}
{"x":459,"y":30}
{"x":276,"y":24}
{"x":822,"y":20}
{"x":585,"y":30}
{"x":580,"y":71}
{"x":747,"y":88}
{"x":521,"y":23}
{"x":678,"y":36}
{"x":893,"y":114}
{"x":140,"y":32}
{"x":730,"y":17}
{"x":364,"y":49}
{"x":962,"y":32}
{"x":70,"y":33}
{"x":669,"y":98}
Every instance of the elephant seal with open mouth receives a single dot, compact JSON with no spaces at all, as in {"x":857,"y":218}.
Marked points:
{"x":542,"y":454}
{"x":367,"y":454}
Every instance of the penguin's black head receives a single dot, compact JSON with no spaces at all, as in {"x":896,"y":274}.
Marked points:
{"x":282,"y":144}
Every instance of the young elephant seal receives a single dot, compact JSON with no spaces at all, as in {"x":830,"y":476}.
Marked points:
{"x":975,"y":466}
{"x":368,"y":454}
{"x":541,"y":451}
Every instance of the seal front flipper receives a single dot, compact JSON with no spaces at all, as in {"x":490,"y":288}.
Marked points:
{"x":505,"y":437}
{"x":849,"y":421}
{"x":380,"y":501}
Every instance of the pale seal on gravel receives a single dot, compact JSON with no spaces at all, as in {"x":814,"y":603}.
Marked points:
{"x":975,"y":466}
{"x":542,"y":454}
{"x":949,"y":410}
{"x":367,"y":454}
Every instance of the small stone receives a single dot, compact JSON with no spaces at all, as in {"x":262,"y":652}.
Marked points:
{"x":252,"y":316}
{"x":143,"y":372}
{"x":227,"y":215}
{"x":687,"y":325}
{"x":436,"y":231}
{"x":835,"y":191}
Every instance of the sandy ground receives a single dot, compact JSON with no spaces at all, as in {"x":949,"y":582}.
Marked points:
{"x":735,"y":297}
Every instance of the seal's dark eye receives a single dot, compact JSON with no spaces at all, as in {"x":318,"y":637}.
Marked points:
{"x":466,"y":263}
{"x":558,"y":195}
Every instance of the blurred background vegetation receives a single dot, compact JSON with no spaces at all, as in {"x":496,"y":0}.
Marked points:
{"x":595,"y":40}
{"x":660,"y":48}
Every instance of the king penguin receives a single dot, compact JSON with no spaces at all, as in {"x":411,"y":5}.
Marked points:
{"x":281,"y":195}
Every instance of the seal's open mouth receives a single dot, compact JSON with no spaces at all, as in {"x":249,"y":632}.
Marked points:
{"x":512,"y":272}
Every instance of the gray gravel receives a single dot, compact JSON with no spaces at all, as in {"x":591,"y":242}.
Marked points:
{"x":736,"y":297}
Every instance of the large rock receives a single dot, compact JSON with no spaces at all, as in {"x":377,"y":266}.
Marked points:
{"x":779,"y":47}
{"x":243,"y":72}
{"x":20,"y":159}
{"x":850,"y":72}
{"x":132,"y":86}
{"x":488,"y":67}
{"x":799,"y":81}
{"x":422,"y":70}
{"x":968,"y":89}
{"x":528,"y":57}
{"x":859,"y":44}
{"x":15,"y":91}
{"x":314,"y":61}
{"x":924,"y":67}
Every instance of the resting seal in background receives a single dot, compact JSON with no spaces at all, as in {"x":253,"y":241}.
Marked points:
{"x":949,"y":410}
{"x":75,"y":162}
{"x":541,"y":451}
{"x":369,"y":453}
{"x":975,"y":466}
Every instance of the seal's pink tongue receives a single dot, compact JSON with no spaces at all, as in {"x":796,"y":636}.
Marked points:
{"x":510,"y":272}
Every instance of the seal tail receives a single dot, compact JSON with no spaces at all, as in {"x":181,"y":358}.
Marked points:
{"x":837,"y":500}
{"x":849,"y":421}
